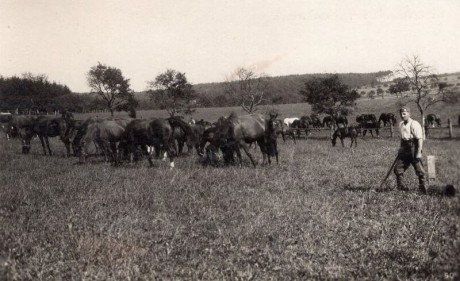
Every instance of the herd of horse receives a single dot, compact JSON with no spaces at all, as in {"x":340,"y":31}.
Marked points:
{"x":132,"y":139}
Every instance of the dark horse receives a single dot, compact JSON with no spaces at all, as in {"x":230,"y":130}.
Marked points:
{"x":345,"y":132}
{"x":368,"y":122}
{"x":157,"y":133}
{"x":387,"y":119}
{"x":239,"y":131}
{"x":432,"y":120}
{"x":45,"y":127}
{"x":302,"y":124}
{"x":339,"y":121}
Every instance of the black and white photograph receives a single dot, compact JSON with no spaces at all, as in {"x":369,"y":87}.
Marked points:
{"x":229,"y":140}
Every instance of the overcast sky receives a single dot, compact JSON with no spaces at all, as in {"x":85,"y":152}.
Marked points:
{"x":208,"y":39}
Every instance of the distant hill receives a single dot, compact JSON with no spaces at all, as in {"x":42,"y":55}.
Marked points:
{"x":282,"y":89}
{"x":285,"y":89}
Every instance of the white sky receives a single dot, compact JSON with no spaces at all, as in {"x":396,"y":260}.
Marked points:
{"x":208,"y":39}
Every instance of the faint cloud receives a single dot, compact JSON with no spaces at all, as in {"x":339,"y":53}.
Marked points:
{"x":264,"y":65}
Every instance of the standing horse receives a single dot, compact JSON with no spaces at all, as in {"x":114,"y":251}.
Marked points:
{"x":20,"y":126}
{"x":45,"y":127}
{"x":239,"y":131}
{"x":368,"y":122}
{"x":387,"y":119}
{"x":345,"y":132}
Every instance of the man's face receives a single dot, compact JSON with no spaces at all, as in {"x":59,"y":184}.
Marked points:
{"x":405,"y":115}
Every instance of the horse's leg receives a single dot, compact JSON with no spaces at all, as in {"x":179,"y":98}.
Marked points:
{"x":113,"y":152}
{"x":263,"y":148}
{"x":47,"y":141}
{"x":293,"y":137}
{"x":245,"y":148}
{"x":341,"y":140}
{"x":43,"y":143}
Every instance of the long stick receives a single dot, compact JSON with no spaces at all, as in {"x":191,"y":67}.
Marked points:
{"x":389,"y":171}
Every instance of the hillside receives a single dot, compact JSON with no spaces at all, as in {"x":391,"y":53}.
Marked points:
{"x":285,"y":89}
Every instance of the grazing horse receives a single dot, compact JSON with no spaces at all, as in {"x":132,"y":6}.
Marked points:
{"x":315,"y":122}
{"x":19,"y":126}
{"x":45,"y":127}
{"x":387,"y":119}
{"x":288,"y":121}
{"x":302,"y":123}
{"x":345,"y":132}
{"x":105,"y":134}
{"x":284,"y":130}
{"x":238,"y":131}
{"x":339,"y":121}
{"x":328,"y":122}
{"x":5,"y":119}
{"x":368,"y":122}
{"x":432,"y":120}
{"x":157,"y":133}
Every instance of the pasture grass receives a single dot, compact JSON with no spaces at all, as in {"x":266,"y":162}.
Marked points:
{"x":313,"y":216}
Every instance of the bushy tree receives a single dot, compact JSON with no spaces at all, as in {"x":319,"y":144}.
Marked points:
{"x":380,"y":92}
{"x":329,"y":95}
{"x":31,"y":93}
{"x":400,"y":85}
{"x":108,"y":85}
{"x":171,"y":91}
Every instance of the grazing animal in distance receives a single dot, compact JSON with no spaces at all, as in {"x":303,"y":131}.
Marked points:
{"x":368,"y":122}
{"x":386,"y":119}
{"x":45,"y":127}
{"x":432,"y":120}
{"x":288,"y":121}
{"x":346,"y":132}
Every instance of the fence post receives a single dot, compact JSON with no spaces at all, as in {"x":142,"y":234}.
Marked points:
{"x":449,"y":123}
{"x":391,"y":129}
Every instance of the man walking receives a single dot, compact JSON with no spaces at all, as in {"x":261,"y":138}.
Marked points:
{"x":410,"y":152}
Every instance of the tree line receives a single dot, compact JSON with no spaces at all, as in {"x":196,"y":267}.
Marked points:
{"x":331,"y":94}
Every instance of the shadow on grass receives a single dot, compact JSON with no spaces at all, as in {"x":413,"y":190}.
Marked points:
{"x":357,"y":188}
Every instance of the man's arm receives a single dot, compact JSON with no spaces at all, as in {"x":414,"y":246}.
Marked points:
{"x":419,"y":149}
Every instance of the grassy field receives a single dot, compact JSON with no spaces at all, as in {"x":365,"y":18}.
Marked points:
{"x":313,"y":216}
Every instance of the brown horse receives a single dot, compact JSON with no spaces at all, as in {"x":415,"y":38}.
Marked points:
{"x":284,"y":130}
{"x":157,"y":133}
{"x":105,"y":134}
{"x":45,"y":127}
{"x":239,"y":131}
{"x":346,"y":132}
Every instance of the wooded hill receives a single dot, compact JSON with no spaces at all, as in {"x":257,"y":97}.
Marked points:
{"x":280,"y":90}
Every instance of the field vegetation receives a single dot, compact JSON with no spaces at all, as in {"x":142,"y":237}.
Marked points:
{"x":316,"y":215}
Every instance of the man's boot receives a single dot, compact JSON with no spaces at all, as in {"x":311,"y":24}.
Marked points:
{"x":399,"y":182}
{"x":422,"y":184}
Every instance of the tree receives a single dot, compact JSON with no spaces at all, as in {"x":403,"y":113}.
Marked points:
{"x":371,"y":94}
{"x":380,"y":91}
{"x":109,"y":85}
{"x":329,"y":95}
{"x":31,"y":93}
{"x":171,"y":91}
{"x":247,"y":87}
{"x":400,"y":85}
{"x":419,"y":78}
